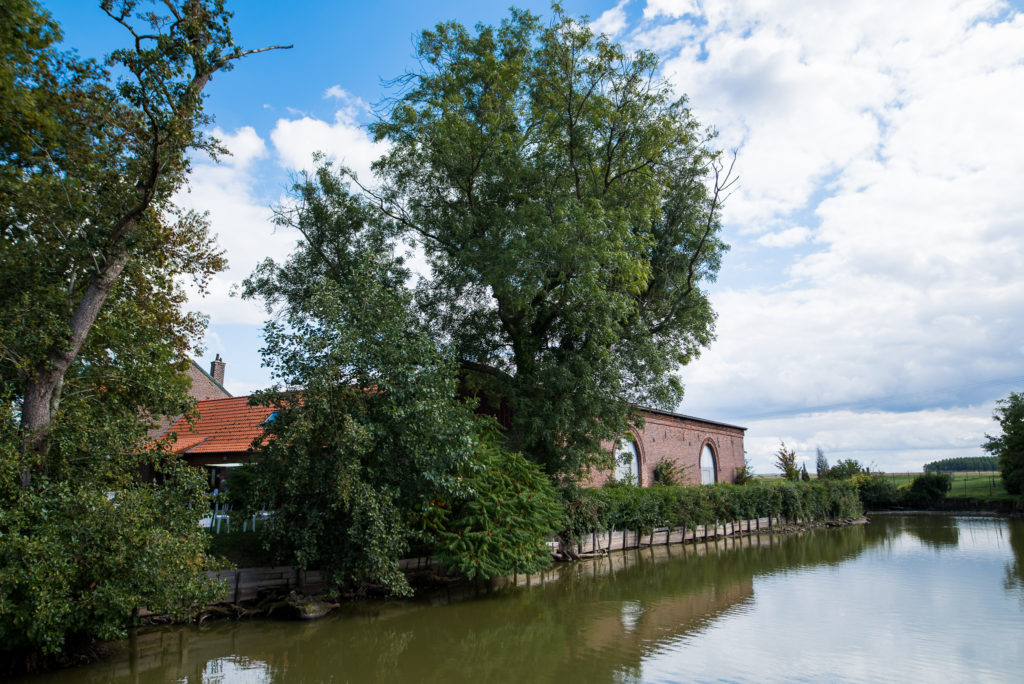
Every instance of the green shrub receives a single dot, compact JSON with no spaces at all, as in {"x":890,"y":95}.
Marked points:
{"x":77,"y":561}
{"x":667,"y":474}
{"x":928,"y":489}
{"x":499,"y":527}
{"x":876,"y":491}
{"x":743,"y":474}
{"x":643,"y":509}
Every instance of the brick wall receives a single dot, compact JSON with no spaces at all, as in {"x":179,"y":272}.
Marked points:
{"x":203,"y":386}
{"x":679,"y":439}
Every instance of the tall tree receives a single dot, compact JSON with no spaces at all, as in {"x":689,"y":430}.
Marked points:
{"x":1008,"y":447}
{"x":92,"y":322}
{"x":372,"y":447}
{"x":90,"y":157}
{"x":785,"y":461}
{"x":569,"y":209}
{"x":821,"y":464}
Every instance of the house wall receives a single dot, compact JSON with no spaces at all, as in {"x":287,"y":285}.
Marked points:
{"x":680,"y":439}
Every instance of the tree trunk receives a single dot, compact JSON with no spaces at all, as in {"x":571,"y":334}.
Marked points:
{"x":42,"y":392}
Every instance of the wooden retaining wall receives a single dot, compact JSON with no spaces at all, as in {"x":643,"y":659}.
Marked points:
{"x":246,"y":583}
{"x":617,"y":540}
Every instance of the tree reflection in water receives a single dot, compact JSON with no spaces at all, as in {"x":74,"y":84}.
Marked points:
{"x":603,"y":620}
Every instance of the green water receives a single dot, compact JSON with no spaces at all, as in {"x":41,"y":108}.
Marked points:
{"x":911,"y":598}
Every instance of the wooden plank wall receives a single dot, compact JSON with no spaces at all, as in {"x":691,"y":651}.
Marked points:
{"x":246,"y":583}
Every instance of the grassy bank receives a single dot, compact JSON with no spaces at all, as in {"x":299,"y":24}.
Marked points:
{"x":964,"y":485}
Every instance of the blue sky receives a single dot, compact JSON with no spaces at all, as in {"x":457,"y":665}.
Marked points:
{"x":873,"y":300}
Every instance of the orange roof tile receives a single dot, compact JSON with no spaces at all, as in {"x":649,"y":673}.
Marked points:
{"x":224,"y":426}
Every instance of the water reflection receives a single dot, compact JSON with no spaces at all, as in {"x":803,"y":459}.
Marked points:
{"x":770,"y":607}
{"x":1015,"y":568}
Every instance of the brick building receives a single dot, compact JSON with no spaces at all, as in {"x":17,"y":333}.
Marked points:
{"x":703,"y":451}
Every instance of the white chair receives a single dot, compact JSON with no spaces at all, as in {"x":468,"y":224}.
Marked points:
{"x":220,"y":514}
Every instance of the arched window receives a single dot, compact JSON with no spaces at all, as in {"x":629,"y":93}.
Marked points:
{"x":627,"y":461}
{"x":707,"y":465}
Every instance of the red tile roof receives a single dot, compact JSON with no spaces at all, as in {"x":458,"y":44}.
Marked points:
{"x":224,"y":426}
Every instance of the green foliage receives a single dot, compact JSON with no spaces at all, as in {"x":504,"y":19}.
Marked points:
{"x":845,"y":469}
{"x":821,"y":465}
{"x":927,"y":489}
{"x":804,"y":476}
{"x":643,"y":509}
{"x":876,"y":491}
{"x":962,"y":464}
{"x":377,"y":435}
{"x":744,"y":473}
{"x":1008,"y":447}
{"x":500,"y":524}
{"x":95,"y":254}
{"x":93,"y":331}
{"x":79,"y":555}
{"x":569,"y":209}
{"x":667,"y":474}
{"x":785,"y":461}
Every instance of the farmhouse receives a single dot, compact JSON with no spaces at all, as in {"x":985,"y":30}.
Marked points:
{"x":702,"y":451}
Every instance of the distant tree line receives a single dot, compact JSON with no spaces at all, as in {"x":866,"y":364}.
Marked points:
{"x":950,"y":465}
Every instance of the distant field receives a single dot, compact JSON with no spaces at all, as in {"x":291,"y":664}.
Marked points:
{"x":974,"y":484}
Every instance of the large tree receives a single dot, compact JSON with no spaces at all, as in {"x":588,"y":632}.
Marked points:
{"x":1008,"y":447}
{"x":90,"y":158}
{"x":93,"y":328}
{"x":569,"y":209}
{"x":372,"y":448}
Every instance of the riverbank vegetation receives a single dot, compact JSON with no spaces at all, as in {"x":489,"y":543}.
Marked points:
{"x":1008,"y":446}
{"x":642,"y":509}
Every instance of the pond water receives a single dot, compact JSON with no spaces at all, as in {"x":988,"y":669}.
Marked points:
{"x":905,"y":598}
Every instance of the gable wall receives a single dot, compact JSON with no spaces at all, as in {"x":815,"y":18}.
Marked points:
{"x":680,"y":440}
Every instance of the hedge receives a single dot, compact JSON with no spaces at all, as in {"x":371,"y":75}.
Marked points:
{"x":640,"y":509}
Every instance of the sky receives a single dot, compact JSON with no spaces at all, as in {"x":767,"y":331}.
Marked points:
{"x":872,"y":302}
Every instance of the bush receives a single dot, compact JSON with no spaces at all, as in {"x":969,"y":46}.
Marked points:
{"x":77,"y":561}
{"x":667,"y":474}
{"x":1008,"y":447}
{"x":928,"y":489}
{"x":846,"y":468}
{"x":876,"y":492}
{"x":499,"y":527}
{"x":743,"y":474}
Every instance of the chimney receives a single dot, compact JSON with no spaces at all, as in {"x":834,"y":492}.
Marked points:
{"x":217,"y":369}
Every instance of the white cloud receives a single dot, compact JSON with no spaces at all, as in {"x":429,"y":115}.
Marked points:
{"x":882,"y":135}
{"x":344,"y":141}
{"x":895,"y":442}
{"x":791,"y":237}
{"x":611,"y":22}
{"x":670,"y":8}
{"x":244,"y":145}
{"x":240,"y":219}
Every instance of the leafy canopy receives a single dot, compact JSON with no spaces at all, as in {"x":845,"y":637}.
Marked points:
{"x":568,"y":207}
{"x":1008,"y":447}
{"x":372,"y":448}
{"x":93,"y":330}
{"x":785,"y":461}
